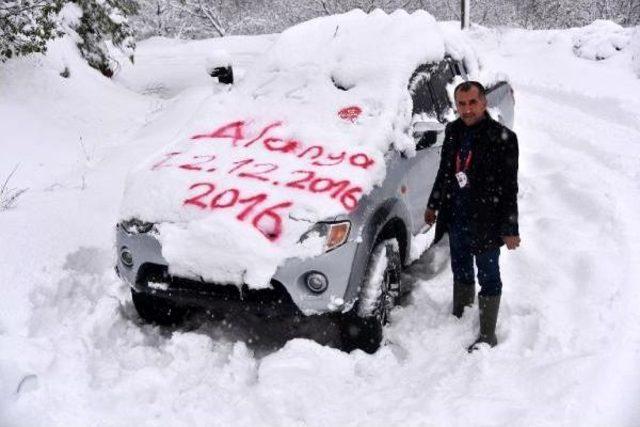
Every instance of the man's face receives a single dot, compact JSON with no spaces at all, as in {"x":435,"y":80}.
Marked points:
{"x":471,"y":106}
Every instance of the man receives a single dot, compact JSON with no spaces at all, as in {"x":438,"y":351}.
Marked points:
{"x":474,"y":199}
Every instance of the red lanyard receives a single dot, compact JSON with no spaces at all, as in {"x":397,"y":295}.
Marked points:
{"x":467,"y":162}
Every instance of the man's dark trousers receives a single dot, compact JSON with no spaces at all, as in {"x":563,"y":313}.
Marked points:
{"x":462,"y":261}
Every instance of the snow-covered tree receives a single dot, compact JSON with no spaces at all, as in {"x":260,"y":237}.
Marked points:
{"x":624,"y":12}
{"x":104,"y":20}
{"x":158,"y":18}
{"x":331,"y":7}
{"x":27,"y":25}
{"x":215,"y":18}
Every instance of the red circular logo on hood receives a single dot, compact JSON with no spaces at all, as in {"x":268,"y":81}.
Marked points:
{"x":350,"y":113}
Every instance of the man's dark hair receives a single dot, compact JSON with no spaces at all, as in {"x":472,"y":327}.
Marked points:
{"x":466,"y":86}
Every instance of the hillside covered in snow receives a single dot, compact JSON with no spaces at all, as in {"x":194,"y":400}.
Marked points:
{"x":73,"y":351}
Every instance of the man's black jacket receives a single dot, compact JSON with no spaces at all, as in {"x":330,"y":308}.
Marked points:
{"x":493,"y":183}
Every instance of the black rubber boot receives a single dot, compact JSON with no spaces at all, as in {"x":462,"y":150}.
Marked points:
{"x":463,"y":296}
{"x":489,"y":307}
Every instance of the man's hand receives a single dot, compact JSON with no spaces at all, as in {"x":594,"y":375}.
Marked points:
{"x":430,"y":216}
{"x":512,"y":242}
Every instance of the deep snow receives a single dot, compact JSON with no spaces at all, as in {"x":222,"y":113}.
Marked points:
{"x":74,"y":352}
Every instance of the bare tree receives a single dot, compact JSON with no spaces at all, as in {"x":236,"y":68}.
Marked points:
{"x":216,"y":18}
{"x":331,"y":7}
{"x":207,"y":14}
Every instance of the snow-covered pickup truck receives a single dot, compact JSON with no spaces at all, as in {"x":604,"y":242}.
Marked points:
{"x":301,"y":189}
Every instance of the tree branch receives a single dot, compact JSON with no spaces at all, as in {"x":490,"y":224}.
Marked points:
{"x":212,"y":18}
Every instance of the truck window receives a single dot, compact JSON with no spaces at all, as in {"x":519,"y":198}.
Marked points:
{"x":441,"y":76}
{"x":463,"y":67}
{"x":455,"y":67}
{"x":421,"y":95}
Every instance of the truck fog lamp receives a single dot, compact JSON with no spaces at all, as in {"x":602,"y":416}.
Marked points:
{"x":126,"y":256}
{"x":317,"y":282}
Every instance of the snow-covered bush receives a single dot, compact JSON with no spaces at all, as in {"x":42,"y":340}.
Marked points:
{"x":9,"y":196}
{"x":26,"y":26}
{"x":600,"y":40}
{"x":103,"y":20}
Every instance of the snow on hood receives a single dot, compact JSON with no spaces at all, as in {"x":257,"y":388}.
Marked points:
{"x":300,"y":139}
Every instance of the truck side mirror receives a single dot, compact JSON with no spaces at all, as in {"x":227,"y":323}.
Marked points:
{"x":422,"y":127}
{"x":224,"y":74}
{"x":426,"y":132}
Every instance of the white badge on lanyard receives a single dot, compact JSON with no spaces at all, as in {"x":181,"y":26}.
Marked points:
{"x":462,"y":179}
{"x":461,"y":176}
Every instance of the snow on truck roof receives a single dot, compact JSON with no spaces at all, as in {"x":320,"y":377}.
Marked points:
{"x":302,"y":136}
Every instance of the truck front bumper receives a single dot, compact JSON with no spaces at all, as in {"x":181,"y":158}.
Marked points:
{"x":140,"y":263}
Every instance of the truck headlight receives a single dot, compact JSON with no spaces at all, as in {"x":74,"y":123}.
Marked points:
{"x":135,"y":226}
{"x":335,"y":234}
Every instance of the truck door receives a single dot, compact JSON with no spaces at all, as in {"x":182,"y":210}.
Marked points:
{"x":430,"y":102}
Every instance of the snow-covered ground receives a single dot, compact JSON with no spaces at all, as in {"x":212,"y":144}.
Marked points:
{"x":74,"y":352}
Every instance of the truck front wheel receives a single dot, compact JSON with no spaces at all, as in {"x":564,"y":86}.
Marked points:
{"x":362,"y":326}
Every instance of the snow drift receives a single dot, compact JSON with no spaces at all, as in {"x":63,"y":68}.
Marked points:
{"x":600,"y":40}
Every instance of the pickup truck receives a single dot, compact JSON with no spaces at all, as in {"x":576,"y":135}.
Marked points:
{"x":357,"y":274}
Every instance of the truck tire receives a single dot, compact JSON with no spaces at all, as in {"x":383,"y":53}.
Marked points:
{"x":362,"y":326}
{"x":157,"y":310}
